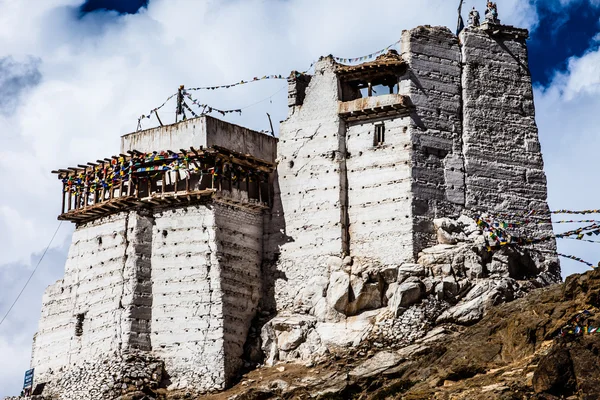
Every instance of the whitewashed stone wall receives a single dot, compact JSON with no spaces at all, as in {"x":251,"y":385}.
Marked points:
{"x":100,"y":284}
{"x":307,"y":204}
{"x":379,"y":192}
{"x":182,"y":284}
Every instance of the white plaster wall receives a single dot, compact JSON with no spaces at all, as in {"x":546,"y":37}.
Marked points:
{"x":309,"y":189}
{"x":187,"y":308}
{"x":379,"y":194}
{"x":202,"y":131}
{"x":95,"y":283}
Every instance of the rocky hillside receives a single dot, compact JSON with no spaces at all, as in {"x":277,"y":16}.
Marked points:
{"x":517,"y":351}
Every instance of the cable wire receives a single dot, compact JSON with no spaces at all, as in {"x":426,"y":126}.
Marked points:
{"x":31,"y":276}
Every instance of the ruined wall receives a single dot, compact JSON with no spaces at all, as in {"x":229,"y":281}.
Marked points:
{"x":433,"y":55}
{"x":102,"y":289}
{"x":308,"y":196}
{"x":379,"y":198}
{"x":503,"y":160}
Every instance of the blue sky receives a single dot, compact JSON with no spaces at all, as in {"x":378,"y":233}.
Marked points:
{"x":74,"y":76}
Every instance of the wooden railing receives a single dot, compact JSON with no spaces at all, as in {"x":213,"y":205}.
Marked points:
{"x":119,"y":182}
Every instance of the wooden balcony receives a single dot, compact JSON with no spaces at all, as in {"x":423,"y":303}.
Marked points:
{"x":154,"y":180}
{"x":375,"y":107}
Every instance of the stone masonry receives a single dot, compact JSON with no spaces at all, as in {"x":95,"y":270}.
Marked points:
{"x":364,"y":230}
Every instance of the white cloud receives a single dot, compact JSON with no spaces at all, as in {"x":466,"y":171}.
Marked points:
{"x":568,"y":119}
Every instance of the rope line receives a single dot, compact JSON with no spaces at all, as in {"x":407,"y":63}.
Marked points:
{"x":31,"y":275}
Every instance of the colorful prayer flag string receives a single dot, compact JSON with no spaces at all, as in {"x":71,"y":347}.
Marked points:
{"x":206,"y":108}
{"x":582,"y":240}
{"x":576,"y":259}
{"x":576,"y":212}
{"x":242,"y":82}
{"x":575,"y":221}
{"x":364,"y":58}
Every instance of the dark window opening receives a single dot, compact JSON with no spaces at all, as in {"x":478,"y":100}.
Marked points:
{"x":79,"y":324}
{"x":379,"y":135}
{"x":374,"y":86}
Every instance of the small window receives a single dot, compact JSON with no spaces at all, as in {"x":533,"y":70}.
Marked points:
{"x":379,"y":136}
{"x":79,"y":324}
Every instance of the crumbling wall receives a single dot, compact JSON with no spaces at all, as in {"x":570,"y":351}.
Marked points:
{"x":434,"y":87}
{"x":379,"y":192}
{"x":309,"y":189}
{"x":503,"y":159}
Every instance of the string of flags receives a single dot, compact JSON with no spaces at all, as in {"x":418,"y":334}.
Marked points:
{"x":579,"y":325}
{"x":575,"y":221}
{"x":208,"y":109}
{"x":532,"y":213}
{"x":576,"y":259}
{"x":365,"y":58}
{"x":583,"y":240}
{"x":576,"y":212}
{"x":242,"y":82}
{"x":121,"y":170}
{"x":156,"y":108}
{"x":498,"y":237}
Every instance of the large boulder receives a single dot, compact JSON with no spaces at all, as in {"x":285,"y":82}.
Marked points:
{"x":405,"y":295}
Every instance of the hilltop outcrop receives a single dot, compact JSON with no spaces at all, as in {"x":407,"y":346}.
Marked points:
{"x":515,"y":352}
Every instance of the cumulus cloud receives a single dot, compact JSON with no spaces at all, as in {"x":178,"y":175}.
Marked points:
{"x":82,"y":81}
{"x":568,"y":119}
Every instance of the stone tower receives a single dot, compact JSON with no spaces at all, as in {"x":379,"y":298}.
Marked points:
{"x":371,"y":154}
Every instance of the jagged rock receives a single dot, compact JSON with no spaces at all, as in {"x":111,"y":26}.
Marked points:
{"x":284,"y":333}
{"x":555,"y":373}
{"x":444,"y":237}
{"x":447,"y":224}
{"x":375,"y":365}
{"x":467,"y":225}
{"x":334,"y":263}
{"x":447,"y":288}
{"x":407,"y":270}
{"x":363,"y":296}
{"x":337,"y":292}
{"x":389,"y":274}
{"x":482,"y":296}
{"x":405,"y":295}
{"x":349,"y":333}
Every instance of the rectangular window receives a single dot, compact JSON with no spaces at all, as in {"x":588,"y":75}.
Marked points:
{"x":379,"y":136}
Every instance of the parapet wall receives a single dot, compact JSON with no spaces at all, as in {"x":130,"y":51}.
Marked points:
{"x":204,"y":132}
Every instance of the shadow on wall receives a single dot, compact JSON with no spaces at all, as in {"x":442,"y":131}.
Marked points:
{"x":275,"y":238}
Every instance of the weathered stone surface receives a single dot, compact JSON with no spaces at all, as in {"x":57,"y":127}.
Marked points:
{"x":405,"y":295}
{"x":375,"y":365}
{"x":338,"y":291}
